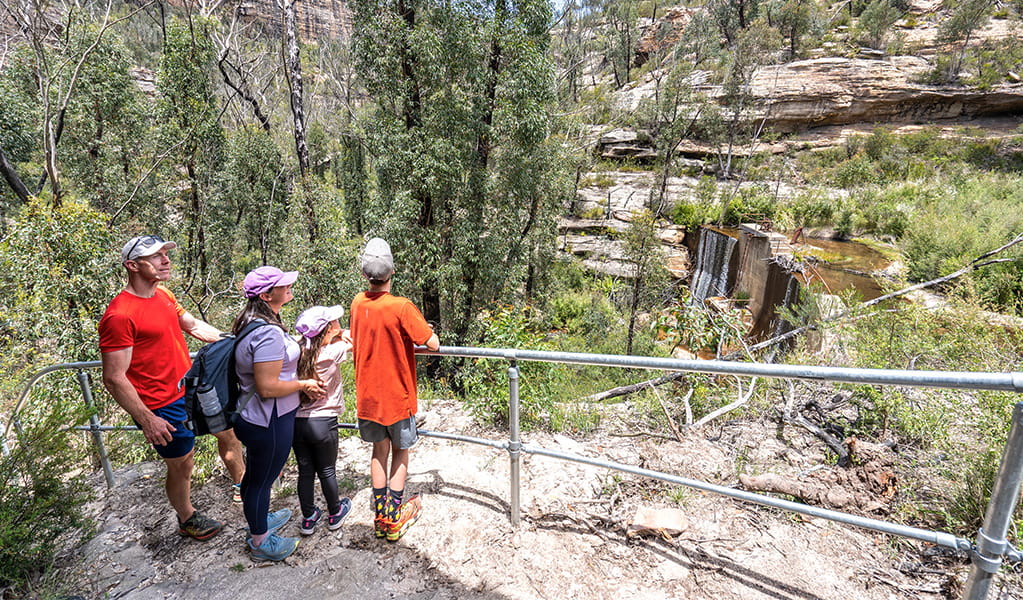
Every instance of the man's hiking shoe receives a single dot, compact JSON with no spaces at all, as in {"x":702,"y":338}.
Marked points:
{"x":334,"y":521}
{"x":309,"y":523}
{"x":199,"y":527}
{"x":236,"y":493}
{"x":274,"y":548}
{"x":408,"y":514}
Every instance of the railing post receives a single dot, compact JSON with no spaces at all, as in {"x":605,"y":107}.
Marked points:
{"x":94,"y":428}
{"x":991,"y":543}
{"x":514,"y":443}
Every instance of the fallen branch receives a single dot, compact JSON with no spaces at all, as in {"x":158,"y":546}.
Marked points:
{"x":729,"y":407}
{"x":667,"y":415}
{"x":635,"y":387}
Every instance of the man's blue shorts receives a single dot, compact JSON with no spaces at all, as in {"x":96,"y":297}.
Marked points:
{"x":183,"y":440}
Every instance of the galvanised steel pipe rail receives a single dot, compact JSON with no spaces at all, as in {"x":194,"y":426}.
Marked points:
{"x":991,"y":546}
{"x":987,"y":553}
{"x":963,"y":380}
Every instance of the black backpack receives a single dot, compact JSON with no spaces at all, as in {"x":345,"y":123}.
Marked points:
{"x":211,"y":384}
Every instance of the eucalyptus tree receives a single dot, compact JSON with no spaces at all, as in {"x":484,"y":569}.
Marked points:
{"x":457,"y":137}
{"x":967,"y":16}
{"x":876,"y":22}
{"x":643,"y":250}
{"x":60,"y":50}
{"x":618,"y":34}
{"x":189,"y":113}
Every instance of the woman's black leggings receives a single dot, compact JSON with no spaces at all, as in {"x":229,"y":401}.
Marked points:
{"x":266,"y":451}
{"x":315,"y":447}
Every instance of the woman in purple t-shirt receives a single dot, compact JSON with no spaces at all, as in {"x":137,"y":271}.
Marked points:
{"x":266,"y":362}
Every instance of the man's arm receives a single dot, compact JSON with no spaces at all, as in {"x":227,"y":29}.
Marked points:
{"x":115,"y":378}
{"x":198,"y":328}
{"x":433,"y":343}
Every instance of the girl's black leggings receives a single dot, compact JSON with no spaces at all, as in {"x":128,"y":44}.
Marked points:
{"x":315,"y":448}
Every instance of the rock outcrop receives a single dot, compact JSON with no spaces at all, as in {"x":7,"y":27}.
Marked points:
{"x":316,"y":20}
{"x":837,"y":91}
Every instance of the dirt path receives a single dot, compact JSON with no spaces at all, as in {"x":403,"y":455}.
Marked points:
{"x":571,"y":543}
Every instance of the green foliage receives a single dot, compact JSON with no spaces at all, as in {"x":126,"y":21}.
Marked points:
{"x":939,"y":423}
{"x":747,"y":204}
{"x":41,"y":495}
{"x":697,"y":327}
{"x":467,"y":179}
{"x":104,"y":128}
{"x":810,"y":208}
{"x":958,"y":224}
{"x":876,"y":22}
{"x":58,"y":277}
{"x":689,"y":215}
{"x":485,"y":381}
{"x":583,"y":313}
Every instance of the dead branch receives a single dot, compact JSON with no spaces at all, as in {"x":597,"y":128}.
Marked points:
{"x":635,"y":387}
{"x":729,"y":407}
{"x":689,"y":407}
{"x":667,"y":415}
{"x":831,"y":441}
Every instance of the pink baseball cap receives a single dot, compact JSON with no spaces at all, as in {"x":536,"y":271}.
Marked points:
{"x":266,"y":278}
{"x":314,"y":320}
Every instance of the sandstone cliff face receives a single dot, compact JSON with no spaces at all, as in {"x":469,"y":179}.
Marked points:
{"x":316,"y":20}
{"x":836,"y":91}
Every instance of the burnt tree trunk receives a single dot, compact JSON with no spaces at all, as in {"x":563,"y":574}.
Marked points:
{"x":12,"y":178}
{"x":293,"y":62}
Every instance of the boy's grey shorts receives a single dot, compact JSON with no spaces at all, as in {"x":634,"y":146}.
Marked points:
{"x":402,"y":434}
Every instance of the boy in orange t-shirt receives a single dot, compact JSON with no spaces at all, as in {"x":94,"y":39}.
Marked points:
{"x":384,"y":331}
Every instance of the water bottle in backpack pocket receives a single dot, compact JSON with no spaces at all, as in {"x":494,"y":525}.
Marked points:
{"x":211,"y":408}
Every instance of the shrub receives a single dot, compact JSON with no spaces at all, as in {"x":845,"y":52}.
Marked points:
{"x":687,"y":215}
{"x":811,"y":208}
{"x":854,"y":172}
{"x":41,"y":495}
{"x":484,"y":380}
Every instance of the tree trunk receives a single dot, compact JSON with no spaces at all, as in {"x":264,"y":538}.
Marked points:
{"x":294,"y":69}
{"x":12,"y":178}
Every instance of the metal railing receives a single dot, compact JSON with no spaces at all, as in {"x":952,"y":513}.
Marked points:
{"x":988,"y":552}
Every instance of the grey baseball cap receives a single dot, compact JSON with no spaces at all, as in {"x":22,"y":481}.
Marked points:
{"x":377,"y":262}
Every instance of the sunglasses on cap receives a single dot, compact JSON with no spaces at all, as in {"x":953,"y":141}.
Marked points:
{"x":145,"y":241}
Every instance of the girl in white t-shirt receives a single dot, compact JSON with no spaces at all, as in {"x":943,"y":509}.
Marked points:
{"x":324,"y":345}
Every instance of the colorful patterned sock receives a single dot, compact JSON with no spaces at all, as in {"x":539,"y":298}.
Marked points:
{"x":380,"y":503}
{"x":394,"y":504}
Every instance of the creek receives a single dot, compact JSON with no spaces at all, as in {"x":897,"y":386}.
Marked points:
{"x":842,"y":265}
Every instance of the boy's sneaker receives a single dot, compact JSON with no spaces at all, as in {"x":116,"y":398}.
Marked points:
{"x":236,"y":493}
{"x":381,"y":526}
{"x":199,"y":527}
{"x":408,"y":513}
{"x":273,"y":548}
{"x":309,"y":523}
{"x":335,"y":520}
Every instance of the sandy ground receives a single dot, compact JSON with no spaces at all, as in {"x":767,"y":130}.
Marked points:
{"x":571,"y":542}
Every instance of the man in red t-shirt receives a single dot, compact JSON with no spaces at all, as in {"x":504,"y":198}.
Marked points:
{"x":384,"y":330}
{"x":144,"y":357}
